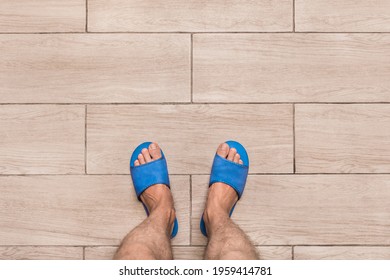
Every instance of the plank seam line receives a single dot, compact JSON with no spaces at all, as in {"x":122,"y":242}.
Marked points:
{"x":293,"y":16}
{"x":196,"y":103}
{"x":86,"y":16}
{"x":195,"y":245}
{"x":292,"y":253}
{"x":199,"y":32}
{"x":195,"y":174}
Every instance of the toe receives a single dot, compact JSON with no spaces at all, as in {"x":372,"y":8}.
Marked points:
{"x":155,"y":151}
{"x":223,"y":150}
{"x":136,"y":162}
{"x":146,"y":155}
{"x":231,"y":154}
{"x":141,"y":159}
{"x":236,"y":158}
{"x":240,"y":162}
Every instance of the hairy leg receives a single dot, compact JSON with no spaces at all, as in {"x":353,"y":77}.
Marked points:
{"x":226,"y":239}
{"x":151,"y":240}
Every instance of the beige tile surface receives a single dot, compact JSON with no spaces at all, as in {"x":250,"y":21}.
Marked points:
{"x":189,"y":135}
{"x":264,"y":253}
{"x":291,"y":67}
{"x":341,"y":253}
{"x":41,"y":253}
{"x":342,"y":15}
{"x":78,"y":210}
{"x":42,"y":139}
{"x":77,"y":96}
{"x":342,"y":138}
{"x":179,"y":253}
{"x":42,"y":16}
{"x":307,"y":209}
{"x":112,"y":68}
{"x":192,"y":253}
{"x":274,"y":252}
{"x":107,"y":252}
{"x":190,"y":15}
{"x":100,"y":253}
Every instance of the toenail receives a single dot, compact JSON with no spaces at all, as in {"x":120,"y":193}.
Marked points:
{"x":225,"y":146}
{"x":144,"y":150}
{"x":153,"y":146}
{"x":233,"y":150}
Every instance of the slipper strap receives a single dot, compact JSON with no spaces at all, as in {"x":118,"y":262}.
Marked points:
{"x":230,"y":173}
{"x":151,"y":173}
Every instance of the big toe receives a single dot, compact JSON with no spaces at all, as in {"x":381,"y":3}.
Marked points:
{"x":155,"y":151}
{"x":223,"y":150}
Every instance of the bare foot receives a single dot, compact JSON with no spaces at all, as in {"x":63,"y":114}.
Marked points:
{"x":221,"y":197}
{"x":157,"y":198}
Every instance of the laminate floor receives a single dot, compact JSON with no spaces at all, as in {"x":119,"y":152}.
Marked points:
{"x":303,"y":84}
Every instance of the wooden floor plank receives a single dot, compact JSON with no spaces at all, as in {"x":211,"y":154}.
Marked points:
{"x":94,"y":68}
{"x":100,"y":253}
{"x":342,"y":15}
{"x":42,"y":139}
{"x":190,"y":15}
{"x":307,"y":209}
{"x":189,"y":135}
{"x":50,"y":209}
{"x":291,"y":68}
{"x":41,"y":253}
{"x":341,"y":253}
{"x":274,"y":252}
{"x":193,"y":253}
{"x":334,"y":138}
{"x":42,"y":16}
{"x":78,"y":210}
{"x":264,"y":253}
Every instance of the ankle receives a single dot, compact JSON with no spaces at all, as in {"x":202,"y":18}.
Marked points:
{"x":164,"y":213}
{"x":157,"y":196}
{"x":214,"y":216}
{"x":221,"y":197}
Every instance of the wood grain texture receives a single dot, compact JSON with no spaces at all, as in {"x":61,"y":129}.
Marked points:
{"x":342,"y":15}
{"x":274,"y":252}
{"x":193,"y":253}
{"x":352,"y":138}
{"x":179,"y":253}
{"x":41,"y":253}
{"x":78,"y":210}
{"x":307,"y":209}
{"x":341,"y":253}
{"x":75,"y":102}
{"x":264,"y":252}
{"x":189,"y":135}
{"x":100,"y":253}
{"x":291,"y":67}
{"x":190,"y":15}
{"x":93,"y":68}
{"x":42,"y":16}
{"x":42,"y":139}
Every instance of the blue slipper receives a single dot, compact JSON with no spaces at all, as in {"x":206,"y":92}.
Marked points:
{"x":148,"y":174}
{"x":230,"y":173}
